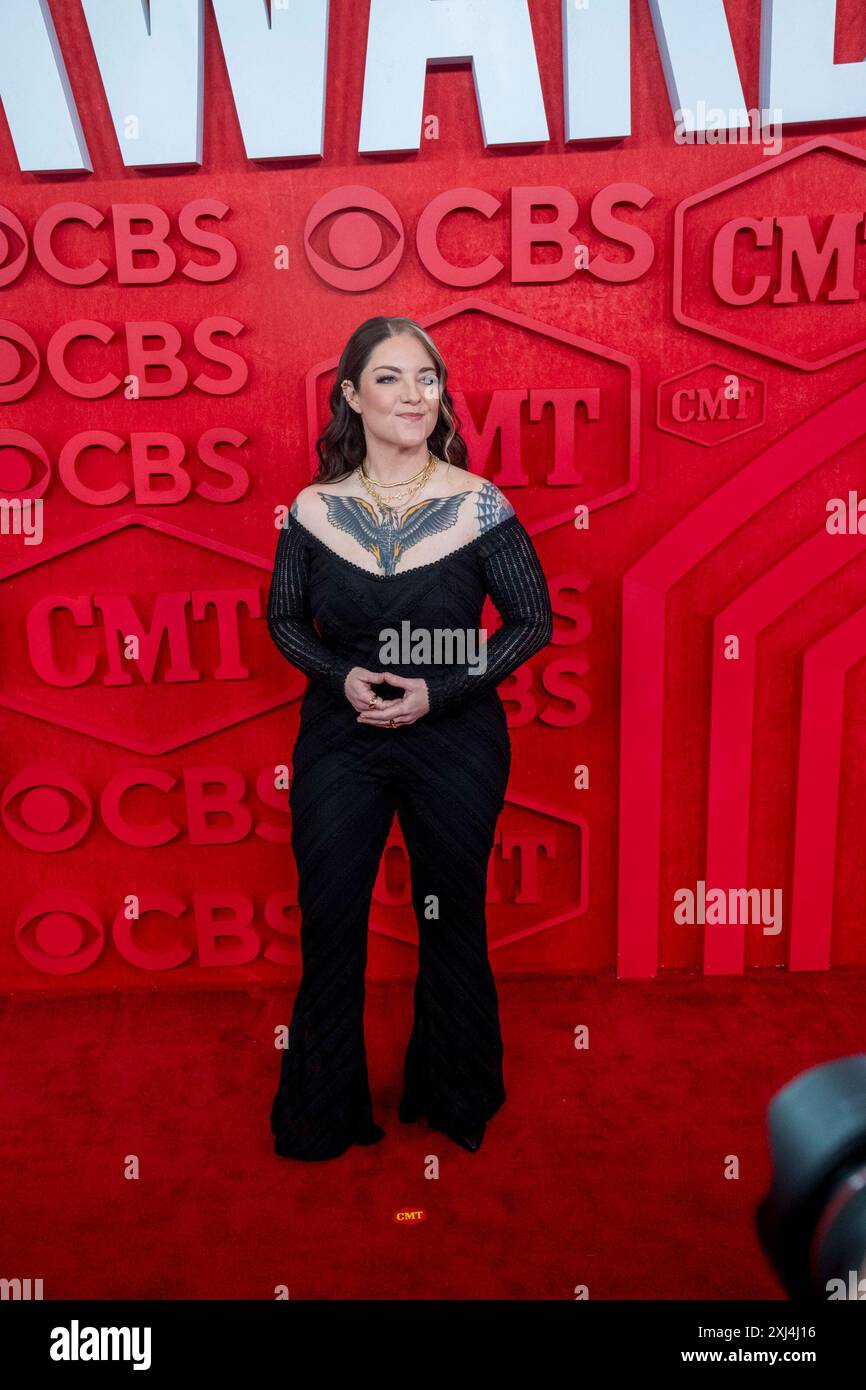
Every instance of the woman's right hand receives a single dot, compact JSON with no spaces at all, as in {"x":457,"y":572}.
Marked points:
{"x":358,"y":687}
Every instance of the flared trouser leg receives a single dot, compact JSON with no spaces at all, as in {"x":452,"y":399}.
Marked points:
{"x":340,"y":823}
{"x":448,"y":809}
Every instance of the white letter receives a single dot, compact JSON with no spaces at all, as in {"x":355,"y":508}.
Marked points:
{"x":35,"y":91}
{"x":597,"y":70}
{"x":278,"y":74}
{"x":494,"y":35}
{"x":697,"y":57}
{"x":797,"y":69}
{"x":152,"y":65}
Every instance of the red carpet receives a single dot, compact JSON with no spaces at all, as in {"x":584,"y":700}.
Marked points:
{"x":604,"y":1167}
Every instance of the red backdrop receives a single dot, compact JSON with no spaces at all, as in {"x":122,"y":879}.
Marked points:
{"x":144,"y":838}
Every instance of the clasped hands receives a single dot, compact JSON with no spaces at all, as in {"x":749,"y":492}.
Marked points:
{"x":404,"y":709}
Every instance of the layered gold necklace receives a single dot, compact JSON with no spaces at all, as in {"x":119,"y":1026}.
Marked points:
{"x":399,"y":502}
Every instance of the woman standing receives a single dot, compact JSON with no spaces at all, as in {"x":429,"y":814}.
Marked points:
{"x":394,"y":530}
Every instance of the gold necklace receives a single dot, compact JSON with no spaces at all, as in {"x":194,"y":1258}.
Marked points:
{"x":404,"y":482}
{"x":387,"y":508}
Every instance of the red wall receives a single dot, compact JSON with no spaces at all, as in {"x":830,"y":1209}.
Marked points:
{"x":120,"y":780}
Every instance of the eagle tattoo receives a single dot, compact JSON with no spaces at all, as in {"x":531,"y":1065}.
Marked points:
{"x":389,"y":539}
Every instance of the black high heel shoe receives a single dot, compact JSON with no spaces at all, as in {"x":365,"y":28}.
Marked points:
{"x":468,"y":1137}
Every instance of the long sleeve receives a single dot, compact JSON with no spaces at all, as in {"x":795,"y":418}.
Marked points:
{"x":515,"y":582}
{"x":289,"y":620}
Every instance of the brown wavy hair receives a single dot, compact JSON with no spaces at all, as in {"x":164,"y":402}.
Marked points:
{"x":341,"y":446}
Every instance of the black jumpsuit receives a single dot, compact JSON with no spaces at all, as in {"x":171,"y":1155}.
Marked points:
{"x":445,"y":776}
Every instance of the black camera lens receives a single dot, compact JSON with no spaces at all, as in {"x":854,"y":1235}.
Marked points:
{"x":812,"y":1222}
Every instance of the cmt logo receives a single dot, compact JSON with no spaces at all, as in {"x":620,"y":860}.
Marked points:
{"x":408,"y":1216}
{"x":172,"y":610}
{"x":710,"y":404}
{"x":774,"y":259}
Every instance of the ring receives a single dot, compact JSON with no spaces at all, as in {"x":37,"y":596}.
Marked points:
{"x":373,"y":702}
{"x":392,"y":723}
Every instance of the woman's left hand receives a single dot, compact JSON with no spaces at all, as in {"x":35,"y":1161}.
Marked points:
{"x":413,"y":705}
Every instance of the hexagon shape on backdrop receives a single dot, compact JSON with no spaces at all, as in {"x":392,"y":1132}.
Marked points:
{"x":824,"y":173}
{"x":162,"y":714}
{"x":702,"y":394}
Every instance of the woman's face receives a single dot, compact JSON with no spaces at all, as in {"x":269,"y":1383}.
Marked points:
{"x":398,"y":395}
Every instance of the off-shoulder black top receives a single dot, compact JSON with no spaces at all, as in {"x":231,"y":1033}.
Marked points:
{"x":351,"y":606}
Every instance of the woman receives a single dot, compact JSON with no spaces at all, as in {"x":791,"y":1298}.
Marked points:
{"x":394,"y":530}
